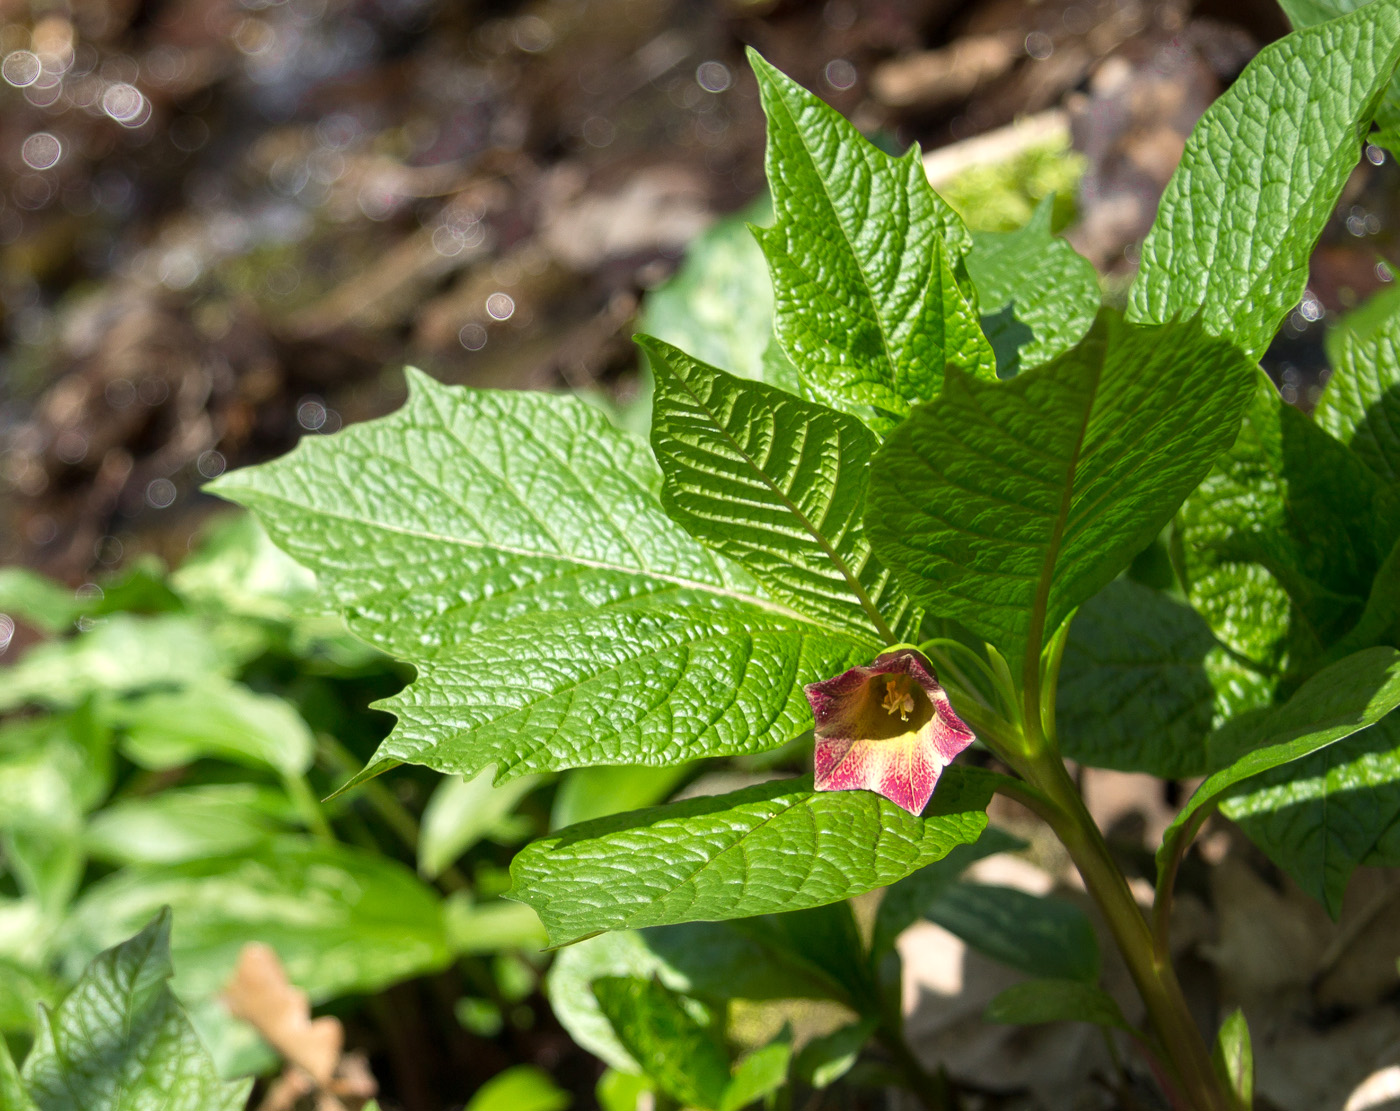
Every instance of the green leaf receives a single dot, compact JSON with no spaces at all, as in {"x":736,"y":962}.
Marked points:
{"x":520,"y":1088}
{"x":1037,"y":1001}
{"x":1133,"y":692}
{"x":1037,"y":296}
{"x":460,"y":813}
{"x":775,"y":847}
{"x":1306,"y":13}
{"x":214,"y":718}
{"x":907,"y":901}
{"x":1287,"y":515}
{"x":862,"y":255}
{"x":588,"y":793}
{"x":1034,"y":492}
{"x":1320,"y":817}
{"x":621,"y":1091}
{"x":22,"y":989}
{"x":1338,"y":701}
{"x":512,"y":547}
{"x":1260,"y":176}
{"x":36,"y":600}
{"x":759,"y":1074}
{"x":121,"y":1042}
{"x":1234,"y":1057}
{"x":676,"y":1044}
{"x":187,"y":823}
{"x":1043,"y":936}
{"x":120,"y":654}
{"x":775,"y":483}
{"x":1361,"y":404}
{"x":719,"y":304}
{"x":490,"y":927}
{"x":341,"y":919}
{"x":12,"y":1094}
{"x":824,"y":1060}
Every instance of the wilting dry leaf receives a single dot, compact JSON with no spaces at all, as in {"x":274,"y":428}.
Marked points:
{"x":259,"y":993}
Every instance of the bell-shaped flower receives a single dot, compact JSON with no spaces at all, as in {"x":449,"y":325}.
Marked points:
{"x":887,"y":727}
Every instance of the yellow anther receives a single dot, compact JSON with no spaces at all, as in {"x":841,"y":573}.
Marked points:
{"x":897,"y":699}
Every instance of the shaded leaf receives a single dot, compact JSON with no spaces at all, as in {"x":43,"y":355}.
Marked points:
{"x":1336,"y":702}
{"x":1037,"y":1001}
{"x":460,"y":812}
{"x":682,"y":1054}
{"x":1133,"y":693}
{"x":907,"y":901}
{"x":1037,"y":296}
{"x":588,"y":793}
{"x":1321,"y":817}
{"x":1035,"y":492}
{"x":121,"y":1042}
{"x":1040,"y":935}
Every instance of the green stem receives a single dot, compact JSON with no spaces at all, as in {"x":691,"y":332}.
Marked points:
{"x":931,"y":1089}
{"x":1182,"y":1045}
{"x":1166,"y":879}
{"x":308,"y":807}
{"x":392,"y":812}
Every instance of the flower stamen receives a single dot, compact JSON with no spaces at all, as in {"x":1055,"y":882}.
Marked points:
{"x":898,"y":699}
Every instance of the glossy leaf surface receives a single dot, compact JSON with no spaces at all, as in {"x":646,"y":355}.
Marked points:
{"x":1260,"y":176}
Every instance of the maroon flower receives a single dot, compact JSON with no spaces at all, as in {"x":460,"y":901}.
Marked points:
{"x":888,"y":728}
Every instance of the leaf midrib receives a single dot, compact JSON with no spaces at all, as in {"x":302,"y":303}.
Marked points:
{"x":523,"y":553}
{"x":816,"y":534}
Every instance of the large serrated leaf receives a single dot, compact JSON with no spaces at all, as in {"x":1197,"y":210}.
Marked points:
{"x":1321,"y":817}
{"x":1361,"y":405}
{"x":1006,"y":504}
{"x":863,"y":255}
{"x":1037,"y":296}
{"x":121,"y":1042}
{"x":776,"y":847}
{"x":775,"y":483}
{"x":1260,"y":176}
{"x":1134,"y":694}
{"x":513,"y":548}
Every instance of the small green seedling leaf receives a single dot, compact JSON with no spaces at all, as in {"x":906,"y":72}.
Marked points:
{"x":863,"y":255}
{"x":1338,"y":701}
{"x":1037,"y":1001}
{"x":1260,"y":176}
{"x":1037,"y":297}
{"x":824,"y":1060}
{"x":775,"y":847}
{"x":1004,"y":505}
{"x":121,"y":1042}
{"x":776,"y":484}
{"x":520,"y":1088}
{"x":1234,"y":1058}
{"x":758,"y":1075}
